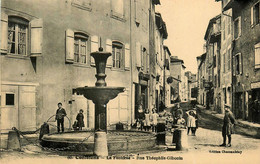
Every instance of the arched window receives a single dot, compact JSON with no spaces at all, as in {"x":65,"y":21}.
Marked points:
{"x":80,"y":47}
{"x":117,"y":54}
{"x":17,"y":35}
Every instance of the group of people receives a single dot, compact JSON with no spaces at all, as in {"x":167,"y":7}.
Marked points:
{"x":61,"y":113}
{"x":147,"y":121}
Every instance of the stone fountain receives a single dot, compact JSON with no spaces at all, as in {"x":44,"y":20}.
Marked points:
{"x":104,"y":142}
{"x":100,"y":95}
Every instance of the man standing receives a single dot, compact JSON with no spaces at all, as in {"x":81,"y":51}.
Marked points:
{"x":60,"y":114}
{"x":227,"y":128}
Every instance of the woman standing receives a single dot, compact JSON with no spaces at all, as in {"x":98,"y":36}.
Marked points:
{"x":80,"y":119}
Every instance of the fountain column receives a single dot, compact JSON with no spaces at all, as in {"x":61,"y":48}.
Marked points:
{"x":100,"y":95}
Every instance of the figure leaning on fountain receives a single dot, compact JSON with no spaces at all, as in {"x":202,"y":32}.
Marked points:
{"x":60,"y":114}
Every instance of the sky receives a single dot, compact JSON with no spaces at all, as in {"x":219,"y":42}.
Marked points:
{"x":186,"y":22}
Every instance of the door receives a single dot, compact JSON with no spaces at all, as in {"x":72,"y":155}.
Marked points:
{"x":18,"y":108}
{"x":27,"y":108}
{"x":9,"y":108}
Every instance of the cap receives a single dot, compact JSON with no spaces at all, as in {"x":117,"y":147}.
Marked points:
{"x":227,"y":106}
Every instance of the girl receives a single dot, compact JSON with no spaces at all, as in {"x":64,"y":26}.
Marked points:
{"x":80,"y":119}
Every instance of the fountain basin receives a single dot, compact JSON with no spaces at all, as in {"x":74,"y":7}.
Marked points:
{"x":117,"y":141}
{"x":100,"y":95}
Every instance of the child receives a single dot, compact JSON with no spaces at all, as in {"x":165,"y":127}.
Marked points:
{"x":80,"y":119}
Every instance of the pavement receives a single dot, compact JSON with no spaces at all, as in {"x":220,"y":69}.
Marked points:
{"x":243,"y":127}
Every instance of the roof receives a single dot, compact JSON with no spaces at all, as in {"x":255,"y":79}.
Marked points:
{"x":156,"y":2}
{"x":167,"y":49}
{"x":161,"y":25}
{"x":210,"y":25}
{"x":202,"y":57}
{"x":173,"y":60}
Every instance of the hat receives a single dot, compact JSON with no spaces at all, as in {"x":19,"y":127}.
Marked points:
{"x":226,"y":106}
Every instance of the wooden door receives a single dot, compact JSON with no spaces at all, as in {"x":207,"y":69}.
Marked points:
{"x":27,"y":108}
{"x":9,"y":108}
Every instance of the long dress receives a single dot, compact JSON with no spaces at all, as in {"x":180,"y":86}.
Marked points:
{"x":80,"y":119}
{"x":147,"y":119}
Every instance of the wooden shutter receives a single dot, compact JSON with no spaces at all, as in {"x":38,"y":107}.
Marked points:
{"x":138,"y":54}
{"x":127,"y":56}
{"x":69,"y":46}
{"x":109,"y":49}
{"x":148,"y":62}
{"x":36,"y":37}
{"x":234,"y":66}
{"x":94,"y":47}
{"x":252,"y":16}
{"x":4,"y":32}
{"x":257,"y":55}
{"x":239,"y":26}
{"x":138,"y":11}
{"x":240,"y":64}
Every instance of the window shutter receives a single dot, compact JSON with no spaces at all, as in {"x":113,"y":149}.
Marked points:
{"x":109,"y":49}
{"x":4,"y":32}
{"x":69,"y":46}
{"x":257,"y":55}
{"x":252,"y":16}
{"x":240,"y":64}
{"x":142,"y":57}
{"x":127,"y":56}
{"x":148,"y":62}
{"x":137,"y":11}
{"x":36,"y":37}
{"x":138,"y":54}
{"x":234,"y":66}
{"x":94,"y":47}
{"x":239,"y":26}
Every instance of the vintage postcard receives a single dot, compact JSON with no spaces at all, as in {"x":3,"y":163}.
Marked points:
{"x":111,"y":81}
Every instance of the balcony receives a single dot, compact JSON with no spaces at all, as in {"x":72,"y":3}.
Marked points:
{"x":215,"y":32}
{"x":228,"y":4}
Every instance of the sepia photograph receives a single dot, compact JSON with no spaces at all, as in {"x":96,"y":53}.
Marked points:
{"x":135,"y":81}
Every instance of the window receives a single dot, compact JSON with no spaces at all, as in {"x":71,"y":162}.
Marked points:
{"x":225,"y":95}
{"x":255,"y":14}
{"x":80,"y":48}
{"x":117,"y":7}
{"x":17,"y":35}
{"x":257,"y":56}
{"x":9,"y":99}
{"x":237,"y":28}
{"x":117,"y":55}
{"x":237,"y":64}
{"x":82,"y":4}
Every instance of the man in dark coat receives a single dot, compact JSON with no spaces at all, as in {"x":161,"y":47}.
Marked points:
{"x":60,"y":114}
{"x":227,"y":129}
